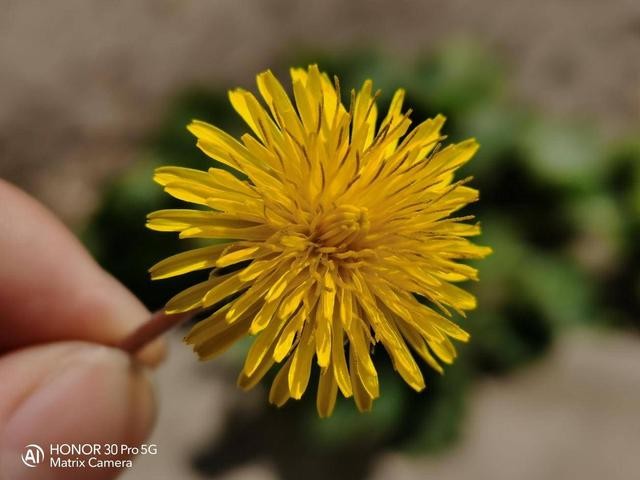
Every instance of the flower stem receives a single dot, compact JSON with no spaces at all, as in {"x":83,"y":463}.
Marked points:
{"x":157,"y":324}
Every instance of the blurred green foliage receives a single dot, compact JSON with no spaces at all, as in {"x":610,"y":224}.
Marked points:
{"x":559,"y":206}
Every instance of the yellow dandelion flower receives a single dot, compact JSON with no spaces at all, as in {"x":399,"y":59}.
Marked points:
{"x":341,"y":237}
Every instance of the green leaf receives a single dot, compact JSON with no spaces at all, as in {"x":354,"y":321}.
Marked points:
{"x":563,"y":154}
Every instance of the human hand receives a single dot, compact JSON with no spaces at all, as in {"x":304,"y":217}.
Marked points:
{"x":59,"y":382}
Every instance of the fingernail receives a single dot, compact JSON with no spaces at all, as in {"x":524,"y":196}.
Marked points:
{"x":154,"y":354}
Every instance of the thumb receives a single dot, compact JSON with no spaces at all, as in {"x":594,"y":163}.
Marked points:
{"x":73,"y":393}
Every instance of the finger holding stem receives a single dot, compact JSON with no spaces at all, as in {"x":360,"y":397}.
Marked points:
{"x":156,"y":325}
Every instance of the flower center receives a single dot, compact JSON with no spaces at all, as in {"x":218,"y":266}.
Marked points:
{"x":342,"y":228}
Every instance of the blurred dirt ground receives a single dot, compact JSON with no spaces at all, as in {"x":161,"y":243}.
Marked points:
{"x":572,"y":415}
{"x":83,"y":82}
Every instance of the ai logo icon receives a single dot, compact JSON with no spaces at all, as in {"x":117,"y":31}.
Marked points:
{"x":33,"y":455}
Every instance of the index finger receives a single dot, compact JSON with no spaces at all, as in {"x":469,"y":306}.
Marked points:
{"x":50,"y":287}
